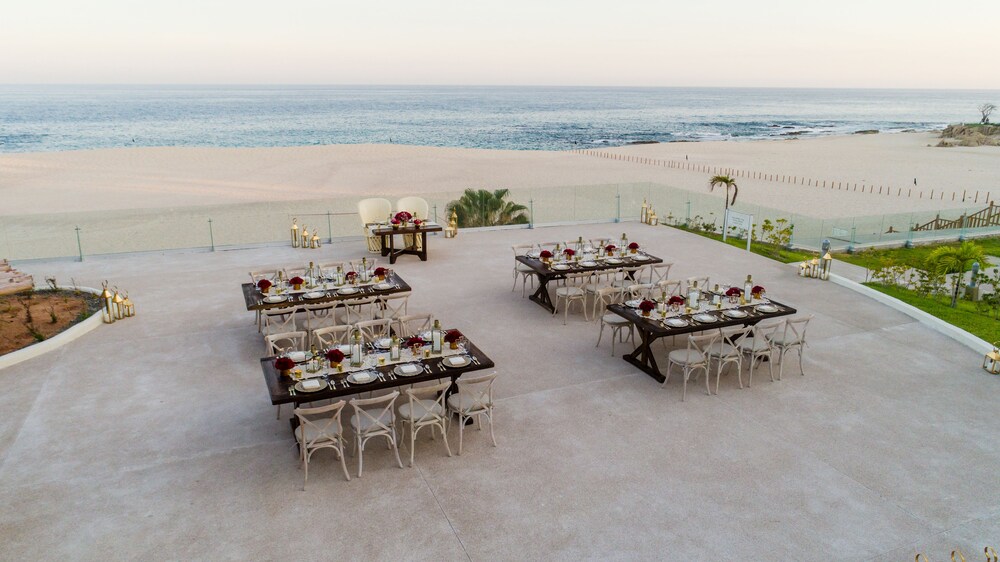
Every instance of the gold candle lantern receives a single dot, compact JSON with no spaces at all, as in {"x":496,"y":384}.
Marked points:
{"x":825,"y":270}
{"x":991,"y":363}
{"x":814,"y":268}
{"x":315,"y":241}
{"x":117,"y":301}
{"x":451,"y":230}
{"x":108,"y":311}
{"x":305,"y":236}
{"x":644,"y":212}
{"x":129,"y":306}
{"x":652,"y":217}
{"x":295,"y":233}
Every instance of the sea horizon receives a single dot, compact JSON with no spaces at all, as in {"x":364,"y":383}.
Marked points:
{"x":58,"y":117}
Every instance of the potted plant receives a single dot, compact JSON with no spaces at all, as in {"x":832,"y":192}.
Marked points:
{"x":757,"y":292}
{"x":675,"y":302}
{"x":403,"y":217}
{"x":545,"y":256}
{"x":380,"y":273}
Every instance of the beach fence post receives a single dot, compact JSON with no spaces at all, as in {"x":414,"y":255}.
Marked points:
{"x":211,"y":234}
{"x":79,"y":247}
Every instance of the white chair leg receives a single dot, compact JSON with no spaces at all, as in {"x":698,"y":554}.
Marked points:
{"x":492,"y":437}
{"x":343,"y":463}
{"x":801,"y":370}
{"x":395,"y":448}
{"x":413,"y":441}
{"x":444,"y":437}
{"x":461,"y":432}
{"x":361,"y":453}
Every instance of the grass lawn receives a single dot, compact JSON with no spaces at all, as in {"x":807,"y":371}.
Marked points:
{"x":965,"y":316}
{"x":762,"y":248}
{"x":912,"y":257}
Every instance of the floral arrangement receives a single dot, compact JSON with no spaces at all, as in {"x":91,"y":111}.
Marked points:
{"x":452,"y":336}
{"x":417,"y":222}
{"x":734,"y":292}
{"x":610,"y":248}
{"x":351,"y":274}
{"x":647,"y":306}
{"x":676,"y":300}
{"x":379,"y":272}
{"x":263,"y":284}
{"x":545,"y":255}
{"x":394,"y":222}
{"x":633,"y":246}
{"x":296,"y":280}
{"x":334,"y":355}
{"x":569,"y":252}
{"x":284,"y":364}
{"x":757,"y":290}
{"x":403,"y":216}
{"x":414,"y":341}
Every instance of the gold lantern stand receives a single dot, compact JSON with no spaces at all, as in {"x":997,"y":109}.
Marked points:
{"x":451,"y":230}
{"x":107,"y":312}
{"x":991,"y":363}
{"x":295,"y":233}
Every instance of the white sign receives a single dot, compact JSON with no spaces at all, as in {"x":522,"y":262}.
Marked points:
{"x":739,"y":221}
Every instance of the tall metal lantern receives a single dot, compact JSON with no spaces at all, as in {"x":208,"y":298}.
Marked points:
{"x":129,"y":306}
{"x":305,"y":236}
{"x":107,"y":300}
{"x":117,"y":301}
{"x":295,"y":233}
{"x":315,"y":241}
{"x":451,"y":230}
{"x":991,"y":363}
{"x":827,"y":262}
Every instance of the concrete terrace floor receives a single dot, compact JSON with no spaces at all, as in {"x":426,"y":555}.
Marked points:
{"x":153,"y":437}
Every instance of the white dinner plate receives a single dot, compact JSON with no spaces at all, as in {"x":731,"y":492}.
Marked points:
{"x":298,"y":356}
{"x":315,"y":295}
{"x":633,"y":303}
{"x":640,"y":257}
{"x":311,"y":385}
{"x":347,"y":290}
{"x":706,"y":318}
{"x":426,"y":336}
{"x":735,"y":313}
{"x":271,"y":299}
{"x":613,"y":261}
{"x":588,"y":264}
{"x":456,"y":361}
{"x":383,"y":343}
{"x":383,"y":286}
{"x":533,"y":253}
{"x":345,"y":349}
{"x":408,"y":369}
{"x":675,"y":322}
{"x":560,"y":267}
{"x":767,"y":308}
{"x":362,"y":377}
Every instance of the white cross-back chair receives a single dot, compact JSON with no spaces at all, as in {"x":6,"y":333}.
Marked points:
{"x":279,"y":320}
{"x":426,"y":408}
{"x":319,"y":428}
{"x":618,"y":324}
{"x":372,"y":211}
{"x":372,"y":330}
{"x":391,"y":306}
{"x":758,"y":346}
{"x":672,"y":288}
{"x":330,"y":336}
{"x":792,"y":337}
{"x":356,"y":265}
{"x":279,"y":344}
{"x":638,"y":291}
{"x":412,"y":324}
{"x":269,"y":274}
{"x":602,"y":297}
{"x":659,"y":272}
{"x":522,"y":272}
{"x":355,"y":310}
{"x":329,"y":268}
{"x":294,"y":272}
{"x":728,"y":351}
{"x":692,"y":359}
{"x":474,"y":399}
{"x":374,"y":417}
{"x":319,"y":316}
{"x":702,"y":283}
{"x":572,"y":292}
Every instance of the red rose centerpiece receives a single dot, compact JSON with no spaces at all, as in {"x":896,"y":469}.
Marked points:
{"x":545,"y":256}
{"x":453,"y":337}
{"x":403,"y":217}
{"x":633,"y":247}
{"x":264,"y":285}
{"x":417,"y":222}
{"x":296,"y":282}
{"x":415,"y":343}
{"x":380,"y":273}
{"x":646,"y":307}
{"x":284,"y":365}
{"x":351,"y":276}
{"x":395,"y":223}
{"x":569,"y":252}
{"x":334,"y":356}
{"x":757,"y":292}
{"x":610,"y":249}
{"x":675,"y":302}
{"x":733,"y":293}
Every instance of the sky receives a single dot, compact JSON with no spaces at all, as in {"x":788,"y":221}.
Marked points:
{"x":801,"y":43}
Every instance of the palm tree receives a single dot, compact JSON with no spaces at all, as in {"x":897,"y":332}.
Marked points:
{"x":480,"y":207}
{"x":955,"y":260}
{"x":728,"y":182}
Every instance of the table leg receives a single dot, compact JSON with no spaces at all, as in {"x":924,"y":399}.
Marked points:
{"x":385,"y":245}
{"x":423,"y":246}
{"x":643,"y":357}
{"x":541,"y":295}
{"x":392,"y":249}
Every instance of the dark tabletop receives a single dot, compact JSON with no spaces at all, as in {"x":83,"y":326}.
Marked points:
{"x":653,"y":325}
{"x":278,"y":386}
{"x":627,"y":261}
{"x":253,"y":297}
{"x":409,"y":229}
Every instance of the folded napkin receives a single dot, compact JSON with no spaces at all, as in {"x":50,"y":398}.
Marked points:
{"x":456,"y":360}
{"x":408,"y":369}
{"x":297,"y":356}
{"x":311,"y":384}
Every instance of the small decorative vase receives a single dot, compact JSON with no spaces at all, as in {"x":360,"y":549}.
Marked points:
{"x":634,"y":251}
{"x":645,"y":313}
{"x":334,"y":365}
{"x":297,"y":286}
{"x":395,"y":226}
{"x":454,"y":345}
{"x":265,"y":290}
{"x":611,"y":253}
{"x":286,"y":373}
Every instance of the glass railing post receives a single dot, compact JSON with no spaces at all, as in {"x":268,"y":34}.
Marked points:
{"x":211,"y":235}
{"x":531,"y":213}
{"x":79,"y":246}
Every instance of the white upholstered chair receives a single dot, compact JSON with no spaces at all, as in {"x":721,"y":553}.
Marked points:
{"x":372,"y":211}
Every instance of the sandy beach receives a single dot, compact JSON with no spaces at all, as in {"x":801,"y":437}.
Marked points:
{"x":159,"y":198}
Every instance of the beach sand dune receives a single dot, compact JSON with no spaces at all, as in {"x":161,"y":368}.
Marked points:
{"x":149,"y":178}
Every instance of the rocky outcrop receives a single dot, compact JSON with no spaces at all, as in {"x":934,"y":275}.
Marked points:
{"x":970,"y":135}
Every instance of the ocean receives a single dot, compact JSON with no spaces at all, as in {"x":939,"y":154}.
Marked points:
{"x":66,"y":117}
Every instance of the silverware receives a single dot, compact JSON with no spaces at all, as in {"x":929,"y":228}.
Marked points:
{"x":291,"y":390}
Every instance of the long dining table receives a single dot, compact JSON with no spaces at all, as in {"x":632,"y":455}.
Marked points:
{"x":653,"y":327}
{"x":327,"y":293}
{"x":282,"y":389}
{"x":560,"y":270}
